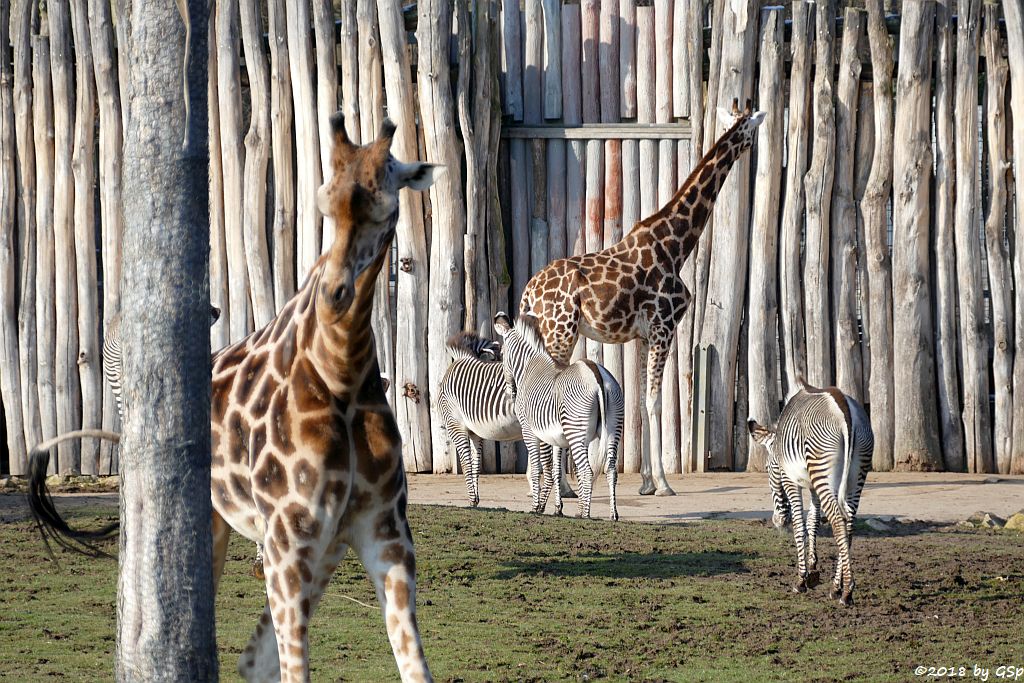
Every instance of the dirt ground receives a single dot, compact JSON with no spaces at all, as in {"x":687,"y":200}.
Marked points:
{"x":940,"y":497}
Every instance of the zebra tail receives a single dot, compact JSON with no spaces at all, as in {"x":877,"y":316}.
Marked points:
{"x":49,"y":522}
{"x":607,"y":382}
{"x":844,"y":505}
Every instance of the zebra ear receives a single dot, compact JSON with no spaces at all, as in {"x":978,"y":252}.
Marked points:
{"x":760,"y":434}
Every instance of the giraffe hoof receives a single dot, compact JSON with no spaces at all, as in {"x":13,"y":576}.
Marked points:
{"x":667,"y":491}
{"x":647,"y":489}
{"x":813,"y":578}
{"x":257,"y":569}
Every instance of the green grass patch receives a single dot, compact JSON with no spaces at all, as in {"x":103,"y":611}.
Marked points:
{"x":508,"y":596}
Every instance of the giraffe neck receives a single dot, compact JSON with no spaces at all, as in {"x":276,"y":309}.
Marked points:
{"x":687,"y":212}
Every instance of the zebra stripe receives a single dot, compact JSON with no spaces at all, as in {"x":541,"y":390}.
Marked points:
{"x":561,"y":406}
{"x":822,"y":439}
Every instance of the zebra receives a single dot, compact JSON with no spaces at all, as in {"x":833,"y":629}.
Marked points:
{"x":561,"y":406}
{"x":473,"y":405}
{"x":823,"y":439}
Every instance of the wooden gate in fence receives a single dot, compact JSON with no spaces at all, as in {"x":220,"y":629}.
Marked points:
{"x":869,"y":240}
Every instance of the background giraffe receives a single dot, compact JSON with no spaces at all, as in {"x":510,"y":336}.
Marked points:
{"x":633,"y":289}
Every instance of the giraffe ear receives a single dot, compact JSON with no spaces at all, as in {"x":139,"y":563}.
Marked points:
{"x":418,"y":175}
{"x":323,"y":199}
{"x":756,"y":118}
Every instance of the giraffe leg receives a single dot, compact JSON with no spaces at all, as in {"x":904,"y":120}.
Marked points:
{"x":656,"y":356}
{"x":221,"y":536}
{"x":257,"y":563}
{"x":647,"y":484}
{"x":387,"y":553}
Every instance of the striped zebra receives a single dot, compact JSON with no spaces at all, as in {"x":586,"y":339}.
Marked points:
{"x":823,"y":443}
{"x":561,"y":406}
{"x":473,"y":405}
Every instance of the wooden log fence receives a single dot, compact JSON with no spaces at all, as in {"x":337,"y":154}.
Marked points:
{"x":561,"y":123}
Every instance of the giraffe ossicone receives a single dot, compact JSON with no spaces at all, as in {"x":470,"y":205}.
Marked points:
{"x":634,"y":289}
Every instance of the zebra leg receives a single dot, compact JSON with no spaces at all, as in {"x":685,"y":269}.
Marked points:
{"x":563,"y":483}
{"x":842,"y":584}
{"x":612,"y":473}
{"x":533,"y":456}
{"x":584,"y":475}
{"x":799,"y":532}
{"x":476,"y":450}
{"x":555,"y":476}
{"x":550,"y":477}
{"x":459,"y":438}
{"x":813,"y":516}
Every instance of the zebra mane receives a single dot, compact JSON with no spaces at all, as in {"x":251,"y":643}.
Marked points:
{"x":526,"y":325}
{"x":472,"y":345}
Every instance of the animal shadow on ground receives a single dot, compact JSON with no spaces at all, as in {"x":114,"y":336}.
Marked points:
{"x":630,"y":565}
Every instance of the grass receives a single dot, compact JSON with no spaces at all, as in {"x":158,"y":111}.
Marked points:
{"x":508,"y":596}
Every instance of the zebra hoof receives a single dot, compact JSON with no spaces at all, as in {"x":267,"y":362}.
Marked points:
{"x":813,"y":578}
{"x":800,"y":587}
{"x":667,"y":491}
{"x":847,"y":599}
{"x":614,"y":516}
{"x":835,"y":592}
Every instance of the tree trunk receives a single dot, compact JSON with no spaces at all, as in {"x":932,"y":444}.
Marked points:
{"x":111,"y":216}
{"x":974,"y":339}
{"x":220,"y":333}
{"x":864,"y":149}
{"x":410,"y":379}
{"x":326,"y":96}
{"x":999,"y":275}
{"x":350,"y":66}
{"x":283,"y":151}
{"x":165,"y":590}
{"x":790,"y":286}
{"x":1014,"y":16}
{"x":876,"y":200}
{"x":763,"y":306}
{"x":946,"y":346}
{"x":917,"y":439}
{"x":730,"y":241}
{"x":849,"y":375}
{"x":46,"y":329}
{"x":68,"y":383}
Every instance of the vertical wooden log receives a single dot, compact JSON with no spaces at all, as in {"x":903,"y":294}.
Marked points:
{"x":350,"y":66}
{"x":946,"y":344}
{"x":714,"y":68}
{"x":412,"y":391}
{"x":220,"y":296}
{"x":1014,"y":16}
{"x":68,"y":387}
{"x":917,"y":439}
{"x":552,"y":59}
{"x":608,"y":61}
{"x":695,"y":65}
{"x":111,"y":217}
{"x":999,"y":274}
{"x":632,"y":442}
{"x":25,"y":191}
{"x":257,"y":152}
{"x":512,"y":58}
{"x":534,"y":101}
{"x":590,"y":69}
{"x":974,"y":342}
{"x":684,"y":333}
{"x":762,"y":306}
{"x":307,"y":145}
{"x":122,"y":8}
{"x":865,"y":146}
{"x":876,"y":200}
{"x":10,"y":371}
{"x":326,"y":96}
{"x":572,"y":114}
{"x":83,"y":166}
{"x":448,"y":227}
{"x":846,"y":337}
{"x":627,"y":59}
{"x":282,"y":150}
{"x":610,"y":87}
{"x":730,"y":238}
{"x":790,"y":286}
{"x":818,"y":195}
{"x":232,"y":155}
{"x":45,"y":290}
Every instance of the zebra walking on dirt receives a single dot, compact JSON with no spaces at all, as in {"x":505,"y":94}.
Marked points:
{"x":561,"y":406}
{"x":823,"y":443}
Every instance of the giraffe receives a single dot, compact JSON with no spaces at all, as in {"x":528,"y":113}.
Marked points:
{"x":305,"y":451}
{"x":633,"y":289}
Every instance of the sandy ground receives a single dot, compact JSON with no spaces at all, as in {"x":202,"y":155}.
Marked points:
{"x":932,"y":497}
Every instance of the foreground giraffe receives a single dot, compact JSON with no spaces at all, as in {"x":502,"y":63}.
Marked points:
{"x":633,"y":289}
{"x":306,"y":454}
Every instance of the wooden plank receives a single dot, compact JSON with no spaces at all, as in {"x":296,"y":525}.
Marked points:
{"x":999,"y":271}
{"x":714,"y":67}
{"x":257,"y":157}
{"x":348,"y":47}
{"x":790,"y":288}
{"x":552,"y":59}
{"x":729,"y":242}
{"x":684,"y":336}
{"x":917,"y":439}
{"x":220,"y":333}
{"x":589,"y":60}
{"x":283,"y":149}
{"x":594,"y":227}
{"x":410,"y":380}
{"x":572,"y":113}
{"x":1014,"y":17}
{"x":762,"y":303}
{"x":680,"y":78}
{"x":232,"y":155}
{"x":86,"y":270}
{"x":627,"y":58}
{"x":613,"y":191}
{"x":601,"y":131}
{"x":448,"y":227}
{"x":818,"y":196}
{"x":632,"y":389}
{"x":326,"y":96}
{"x":946,"y":343}
{"x":974,"y":341}
{"x":590,"y":69}
{"x":111,"y":136}
{"x":46,"y":326}
{"x":556,"y":198}
{"x":68,"y":386}
{"x":533,"y":61}
{"x":873,"y":207}
{"x":608,"y":61}
{"x":648,"y":196}
{"x":864,"y":147}
{"x":849,"y":374}
{"x":307,"y":146}
{"x":25,"y":191}
{"x":695,"y":65}
{"x":512,"y":59}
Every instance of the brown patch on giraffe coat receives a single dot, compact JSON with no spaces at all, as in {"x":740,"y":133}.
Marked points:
{"x":303,"y":525}
{"x":219,"y":398}
{"x":317,"y":433}
{"x":271,"y":476}
{"x":223,"y":496}
{"x":376,"y":438}
{"x":309,"y":389}
{"x":306,"y":478}
{"x":240,"y":487}
{"x":292,"y":581}
{"x":281,"y":535}
{"x":401,"y":594}
{"x":393,"y":553}
{"x":281,"y":423}
{"x":237,"y":436}
{"x":258,"y":440}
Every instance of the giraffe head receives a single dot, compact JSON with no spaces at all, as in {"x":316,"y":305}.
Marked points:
{"x":740,"y":125}
{"x":362,"y":198}
{"x":765,"y":436}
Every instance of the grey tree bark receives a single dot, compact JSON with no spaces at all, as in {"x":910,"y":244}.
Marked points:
{"x":1014,"y":15}
{"x":165,"y":589}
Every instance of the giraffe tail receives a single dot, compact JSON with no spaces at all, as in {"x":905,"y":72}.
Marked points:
{"x":49,"y":522}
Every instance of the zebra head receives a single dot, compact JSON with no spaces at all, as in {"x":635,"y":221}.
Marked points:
{"x":522,"y":343}
{"x":362,"y":199}
{"x":782,"y":514}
